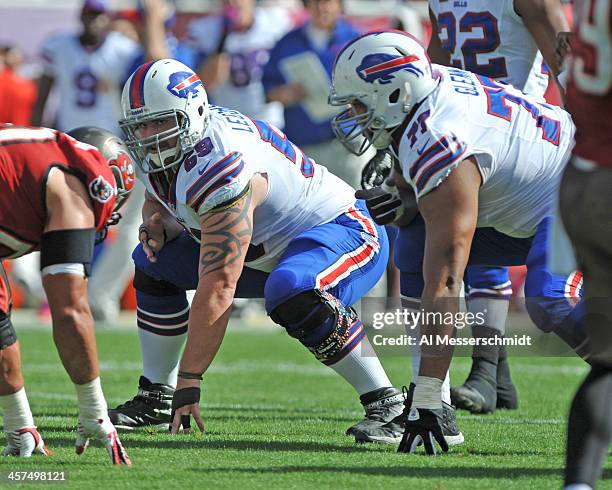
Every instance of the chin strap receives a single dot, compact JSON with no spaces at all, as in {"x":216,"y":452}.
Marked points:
{"x":103,"y":233}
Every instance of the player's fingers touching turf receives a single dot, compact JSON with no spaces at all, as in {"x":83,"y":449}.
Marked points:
{"x":24,"y":443}
{"x":182,"y":418}
{"x":422,"y":425}
{"x":104,"y":431}
{"x":186,"y":403}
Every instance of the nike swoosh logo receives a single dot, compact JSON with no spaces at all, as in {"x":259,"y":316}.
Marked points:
{"x":420,"y":152}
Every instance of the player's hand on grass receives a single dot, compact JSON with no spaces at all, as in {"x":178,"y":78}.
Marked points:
{"x":104,"y":431}
{"x":24,"y":443}
{"x":152,"y":235}
{"x":422,"y":426}
{"x":186,"y":404}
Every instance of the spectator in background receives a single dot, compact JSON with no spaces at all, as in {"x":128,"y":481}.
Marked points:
{"x":114,"y":268}
{"x":87,"y":70}
{"x":298,"y":76}
{"x":17,"y":93}
{"x":233,"y":49}
{"x":154,"y":21}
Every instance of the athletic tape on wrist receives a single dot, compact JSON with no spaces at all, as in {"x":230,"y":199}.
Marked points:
{"x":185,"y":396}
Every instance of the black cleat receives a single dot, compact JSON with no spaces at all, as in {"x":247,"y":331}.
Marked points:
{"x":507,"y":396}
{"x":448,"y":422}
{"x":392,"y":431}
{"x":381,"y":408}
{"x":479,"y":392}
{"x":150,"y":407}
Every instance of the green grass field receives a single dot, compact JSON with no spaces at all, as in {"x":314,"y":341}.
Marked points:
{"x":276,"y":419}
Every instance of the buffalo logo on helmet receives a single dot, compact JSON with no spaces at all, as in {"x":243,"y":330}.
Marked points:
{"x":101,"y":190}
{"x":124,"y":164}
{"x":381,"y":67}
{"x":184,"y":83}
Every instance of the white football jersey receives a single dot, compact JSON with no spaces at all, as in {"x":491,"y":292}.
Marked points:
{"x":88,"y":80}
{"x":488,"y":37}
{"x":249,"y":52}
{"x":520,"y":146}
{"x":301,"y":193}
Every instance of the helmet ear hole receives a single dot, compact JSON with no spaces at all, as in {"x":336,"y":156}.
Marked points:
{"x":201,"y":110}
{"x":394,"y":96}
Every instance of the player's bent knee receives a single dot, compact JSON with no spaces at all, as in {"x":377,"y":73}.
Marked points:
{"x":320,"y":322}
{"x":8,"y":336}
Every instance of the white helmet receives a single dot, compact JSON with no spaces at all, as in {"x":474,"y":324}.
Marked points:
{"x":388,"y":72}
{"x":161,"y":90}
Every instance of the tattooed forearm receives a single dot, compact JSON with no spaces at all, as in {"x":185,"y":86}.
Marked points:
{"x":226,"y":235}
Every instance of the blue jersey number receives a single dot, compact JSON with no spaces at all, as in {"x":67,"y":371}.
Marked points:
{"x":471,"y":48}
{"x":86,"y":88}
{"x":497,"y":99}
{"x":280,"y":143}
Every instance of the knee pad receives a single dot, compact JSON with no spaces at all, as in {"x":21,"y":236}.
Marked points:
{"x":320,"y":322}
{"x":8,"y":336}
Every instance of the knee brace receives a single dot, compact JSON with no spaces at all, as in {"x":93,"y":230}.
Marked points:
{"x":8,"y":336}
{"x":321,"y":323}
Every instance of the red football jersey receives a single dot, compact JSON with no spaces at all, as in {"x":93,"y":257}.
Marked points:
{"x":589,"y":90}
{"x":26,"y":157}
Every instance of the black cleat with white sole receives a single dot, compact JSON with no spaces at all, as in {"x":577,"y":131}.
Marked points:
{"x":150,"y":407}
{"x":381,"y":407}
{"x":392,"y":431}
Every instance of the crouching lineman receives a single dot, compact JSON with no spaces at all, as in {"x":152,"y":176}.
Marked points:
{"x":56,"y":193}
{"x":484,"y":162}
{"x":249,"y":196}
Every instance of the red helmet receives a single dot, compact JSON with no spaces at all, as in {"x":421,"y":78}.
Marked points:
{"x":116,"y":153}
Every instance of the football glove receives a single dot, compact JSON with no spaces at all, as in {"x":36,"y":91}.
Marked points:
{"x":376,"y":170}
{"x":104,"y":431}
{"x":24,"y":443}
{"x":383,"y":203}
{"x":422,"y":425}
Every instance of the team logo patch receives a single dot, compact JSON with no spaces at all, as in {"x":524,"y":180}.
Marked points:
{"x":184,"y":83}
{"x":101,"y":190}
{"x":381,"y":67}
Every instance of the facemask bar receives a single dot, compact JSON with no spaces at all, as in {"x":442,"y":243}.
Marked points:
{"x":348,"y":126}
{"x":141,"y":146}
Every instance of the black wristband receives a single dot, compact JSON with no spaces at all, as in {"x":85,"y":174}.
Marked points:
{"x":188,"y":375}
{"x":185,"y":396}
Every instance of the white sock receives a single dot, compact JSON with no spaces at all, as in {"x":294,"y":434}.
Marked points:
{"x":446,"y":389}
{"x":160,"y":356}
{"x":578,"y":486}
{"x":362,"y":369}
{"x":92,"y":404}
{"x":416,"y":361}
{"x":17,"y":413}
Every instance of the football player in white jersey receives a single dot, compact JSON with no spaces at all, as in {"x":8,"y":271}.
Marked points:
{"x":503,"y":40}
{"x":87,"y":70}
{"x":244,"y":195}
{"x":234,"y":48}
{"x":483,"y":161}
{"x":512,"y":41}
